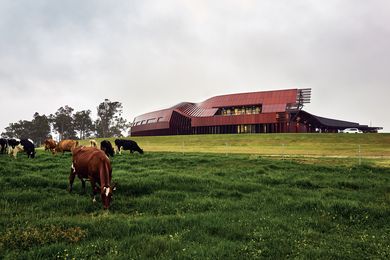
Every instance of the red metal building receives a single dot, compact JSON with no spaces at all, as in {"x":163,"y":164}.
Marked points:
{"x":278,"y":111}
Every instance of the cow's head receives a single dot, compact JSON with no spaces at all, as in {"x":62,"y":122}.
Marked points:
{"x":106,"y":195}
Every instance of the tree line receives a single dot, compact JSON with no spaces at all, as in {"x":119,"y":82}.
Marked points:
{"x":71,"y":125}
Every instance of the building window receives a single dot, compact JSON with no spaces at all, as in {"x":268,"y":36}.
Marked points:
{"x":245,"y":110}
{"x":152,"y":120}
{"x":246,"y":129}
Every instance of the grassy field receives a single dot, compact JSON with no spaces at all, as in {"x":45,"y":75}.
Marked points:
{"x":305,"y":146}
{"x":188,"y":203}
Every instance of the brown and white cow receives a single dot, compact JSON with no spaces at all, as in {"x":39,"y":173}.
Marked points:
{"x":50,"y":145}
{"x":66,"y":146}
{"x":93,"y":164}
{"x":92,"y":143}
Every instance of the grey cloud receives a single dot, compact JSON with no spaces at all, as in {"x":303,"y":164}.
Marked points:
{"x":153,"y":54}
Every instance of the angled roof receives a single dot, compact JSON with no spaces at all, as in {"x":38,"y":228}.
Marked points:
{"x":333,"y":123}
{"x":194,"y":110}
{"x":271,"y":101}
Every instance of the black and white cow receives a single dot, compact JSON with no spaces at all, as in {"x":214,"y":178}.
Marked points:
{"x":3,"y":145}
{"x":128,"y":145}
{"x":12,"y":142}
{"x":25,"y":145}
{"x":106,"y":146}
{"x":29,"y":147}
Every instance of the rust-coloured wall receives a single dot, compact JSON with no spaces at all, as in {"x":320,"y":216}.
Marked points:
{"x":234,"y":120}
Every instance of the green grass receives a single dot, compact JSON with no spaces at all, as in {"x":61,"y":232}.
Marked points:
{"x":341,"y":145}
{"x":177,"y":205}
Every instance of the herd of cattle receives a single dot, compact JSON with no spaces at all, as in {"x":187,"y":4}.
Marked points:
{"x":13,"y":145}
{"x":88,"y":162}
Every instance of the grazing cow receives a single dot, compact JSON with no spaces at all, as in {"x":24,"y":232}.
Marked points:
{"x":25,"y":145}
{"x":106,"y":146}
{"x":92,"y":143}
{"x":3,"y":145}
{"x":12,"y":143}
{"x":66,"y":146}
{"x":28,"y":147}
{"x":14,"y":151}
{"x":50,"y":145}
{"x":92,"y":164}
{"x":128,"y":145}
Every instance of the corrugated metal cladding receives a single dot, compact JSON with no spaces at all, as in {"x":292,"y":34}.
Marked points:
{"x":288,"y":96}
{"x":267,"y":118}
{"x":256,"y":112}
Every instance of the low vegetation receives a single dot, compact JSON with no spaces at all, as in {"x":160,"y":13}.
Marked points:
{"x":179,"y":205}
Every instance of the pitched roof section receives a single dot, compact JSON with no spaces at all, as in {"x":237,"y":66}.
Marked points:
{"x":334,"y":123}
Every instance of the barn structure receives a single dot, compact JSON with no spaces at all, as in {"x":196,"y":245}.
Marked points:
{"x":278,"y":111}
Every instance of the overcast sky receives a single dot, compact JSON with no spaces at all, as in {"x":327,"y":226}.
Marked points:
{"x":153,"y":54}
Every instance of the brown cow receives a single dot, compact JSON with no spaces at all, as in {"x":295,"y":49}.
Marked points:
{"x":66,"y":146}
{"x":50,"y":145}
{"x":93,"y":164}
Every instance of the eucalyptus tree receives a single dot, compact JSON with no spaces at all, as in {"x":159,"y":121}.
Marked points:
{"x":62,"y":122}
{"x":110,"y":121}
{"x":83,"y":124}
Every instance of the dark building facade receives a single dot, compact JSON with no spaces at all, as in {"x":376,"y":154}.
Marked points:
{"x":279,"y":111}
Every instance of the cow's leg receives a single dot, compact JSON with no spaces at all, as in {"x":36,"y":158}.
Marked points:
{"x":94,"y":190}
{"x":82,"y":183}
{"x":15,"y":152}
{"x":71,"y":178}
